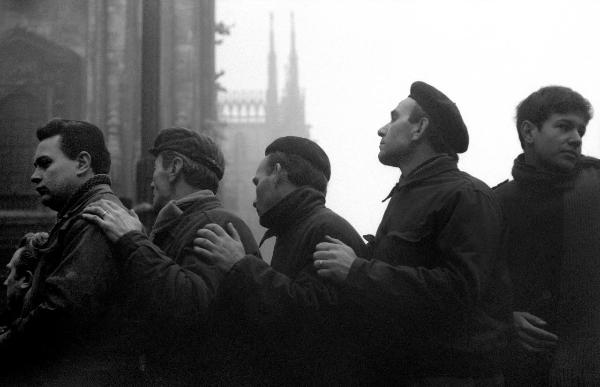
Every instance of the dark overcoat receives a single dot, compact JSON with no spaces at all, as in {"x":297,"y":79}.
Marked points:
{"x":294,"y":313}
{"x":434,"y":290}
{"x":175,"y":290}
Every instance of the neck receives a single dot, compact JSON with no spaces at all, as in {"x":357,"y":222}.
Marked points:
{"x":182,"y":190}
{"x":419,"y":156}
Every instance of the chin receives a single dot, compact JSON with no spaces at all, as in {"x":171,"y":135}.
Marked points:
{"x":51,"y":204}
{"x":385,"y":161}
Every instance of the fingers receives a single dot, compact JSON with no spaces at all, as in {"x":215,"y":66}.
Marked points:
{"x":95,"y":210}
{"x":332,"y":239}
{"x":216,"y":229}
{"x":104,"y":207}
{"x":204,"y":244}
{"x":538,"y":333}
{"x":206,"y":234}
{"x":530,"y":324}
{"x":326,"y":246}
{"x":533,"y":319}
{"x":92,"y":218}
{"x":201,"y":251}
{"x":233,"y":232}
{"x":323,"y":264}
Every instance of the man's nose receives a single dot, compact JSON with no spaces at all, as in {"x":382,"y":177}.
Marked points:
{"x":383,"y":130}
{"x":35,"y":177}
{"x":575,"y":139}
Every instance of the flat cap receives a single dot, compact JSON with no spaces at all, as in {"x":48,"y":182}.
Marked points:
{"x":305,"y":148}
{"x":197,"y":147}
{"x":444,"y":114}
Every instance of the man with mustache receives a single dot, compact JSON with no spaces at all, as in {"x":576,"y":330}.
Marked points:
{"x":552,"y":208}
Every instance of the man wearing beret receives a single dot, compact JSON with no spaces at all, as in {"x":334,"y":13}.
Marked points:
{"x":552,"y":209}
{"x":432,"y":287}
{"x":173,"y":288}
{"x":294,"y":313}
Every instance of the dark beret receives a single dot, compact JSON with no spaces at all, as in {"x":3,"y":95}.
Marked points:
{"x":199,"y":148}
{"x":305,"y":148}
{"x":444,"y":114}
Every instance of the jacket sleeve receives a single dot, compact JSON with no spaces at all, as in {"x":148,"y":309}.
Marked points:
{"x":268,"y":295}
{"x":183,"y":291}
{"x":77,"y":293}
{"x":467,"y":244}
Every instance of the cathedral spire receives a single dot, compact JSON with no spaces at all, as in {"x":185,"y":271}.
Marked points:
{"x":293,"y":100}
{"x":271,"y":108}
{"x":293,"y":88}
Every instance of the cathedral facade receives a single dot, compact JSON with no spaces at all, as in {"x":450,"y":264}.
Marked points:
{"x":82,"y":59}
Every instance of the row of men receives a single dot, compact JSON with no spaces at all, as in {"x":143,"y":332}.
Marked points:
{"x":427,"y":301}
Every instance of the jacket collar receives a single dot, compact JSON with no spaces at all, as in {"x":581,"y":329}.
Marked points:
{"x":431,"y":167}
{"x":290,"y":211}
{"x":175,"y":208}
{"x":77,"y":200}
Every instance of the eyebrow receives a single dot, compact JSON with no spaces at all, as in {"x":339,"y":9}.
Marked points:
{"x":41,"y":159}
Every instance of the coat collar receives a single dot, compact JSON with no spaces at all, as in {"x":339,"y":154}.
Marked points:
{"x":175,"y":208}
{"x":78,"y":199}
{"x":290,"y":210}
{"x":431,"y":167}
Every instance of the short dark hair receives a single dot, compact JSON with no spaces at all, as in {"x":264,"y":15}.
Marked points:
{"x":548,"y":100}
{"x":432,"y":133}
{"x":29,"y":258}
{"x":299,"y":170}
{"x":195,"y":174}
{"x":76,"y":137}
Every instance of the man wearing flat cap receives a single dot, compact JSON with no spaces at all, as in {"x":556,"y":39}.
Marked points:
{"x":431,"y":288}
{"x":294,"y":313}
{"x":173,"y":287}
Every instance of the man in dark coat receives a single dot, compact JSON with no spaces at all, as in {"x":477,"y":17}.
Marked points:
{"x":552,"y":208}
{"x":295,"y":313}
{"x":433,"y":287}
{"x":174,"y":287}
{"x":71,"y":328}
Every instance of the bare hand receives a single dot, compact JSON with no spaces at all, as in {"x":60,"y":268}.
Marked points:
{"x":333,"y":259}
{"x":113,"y":219}
{"x":223,"y":247}
{"x":531,"y":336}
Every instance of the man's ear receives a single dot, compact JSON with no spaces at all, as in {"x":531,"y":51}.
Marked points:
{"x":279,"y":174}
{"x":419,"y":129}
{"x":84,"y":163}
{"x":527,"y":131}
{"x":26,"y":280}
{"x":175,"y":168}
